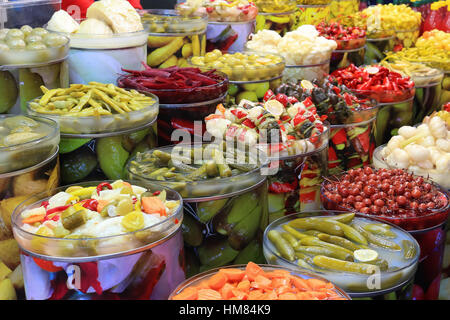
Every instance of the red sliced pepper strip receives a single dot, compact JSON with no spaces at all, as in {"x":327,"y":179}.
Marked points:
{"x":103,"y":185}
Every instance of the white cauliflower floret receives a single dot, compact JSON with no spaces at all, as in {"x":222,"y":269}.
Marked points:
{"x":417,"y":153}
{"x":437,"y":127}
{"x":59,"y":199}
{"x":217,"y":127}
{"x":407,"y":131}
{"x":398,"y":158}
{"x":443,"y":144}
{"x":443,"y":164}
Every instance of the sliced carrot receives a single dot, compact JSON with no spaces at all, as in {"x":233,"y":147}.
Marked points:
{"x":287,"y":296}
{"x":255,"y":294}
{"x":304,"y":296}
{"x":190,"y":293}
{"x":300,"y":284}
{"x":221,"y":108}
{"x":270,"y":296}
{"x":34,"y":218}
{"x":279,"y":282}
{"x":217,"y":281}
{"x":262,"y":282}
{"x":208,"y":294}
{"x":252,"y":270}
{"x":239,"y":294}
{"x":227,"y":292}
{"x":285,"y":289}
{"x":317,"y":294}
{"x":153,"y":205}
{"x":101,"y":205}
{"x":233,"y":274}
{"x":203,"y":285}
{"x":278,"y":274}
{"x":329,"y":286}
{"x":215,"y":116}
{"x":244,"y":285}
{"x":316,"y":284}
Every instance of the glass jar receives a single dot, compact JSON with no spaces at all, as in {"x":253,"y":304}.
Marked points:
{"x":407,"y":38}
{"x":394,"y":283}
{"x":126,"y":266}
{"x":428,"y":94}
{"x":348,"y":52}
{"x":306,"y":72}
{"x":172,"y":39}
{"x":376,"y":49}
{"x":225,"y":217}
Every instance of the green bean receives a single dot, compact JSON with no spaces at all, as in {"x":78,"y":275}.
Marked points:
{"x":282,"y":245}
{"x":409,"y":250}
{"x":339,"y":241}
{"x":323,"y":251}
{"x":181,"y":166}
{"x":198,"y":173}
{"x":323,"y":225}
{"x":378,"y":241}
{"x":224,"y":169}
{"x":380,"y":230}
{"x":295,"y":233}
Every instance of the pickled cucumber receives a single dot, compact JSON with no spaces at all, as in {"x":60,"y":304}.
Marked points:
{"x":8,"y":91}
{"x":77,"y":165}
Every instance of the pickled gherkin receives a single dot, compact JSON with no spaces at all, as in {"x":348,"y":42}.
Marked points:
{"x":225,"y":200}
{"x":356,"y":260}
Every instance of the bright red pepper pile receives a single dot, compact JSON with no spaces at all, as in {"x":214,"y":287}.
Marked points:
{"x":176,"y":85}
{"x":345,"y":37}
{"x":376,"y":82}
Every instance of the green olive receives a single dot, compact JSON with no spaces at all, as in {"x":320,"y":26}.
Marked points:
{"x":39,"y":31}
{"x":15,"y":33}
{"x":16,"y":43}
{"x":54,"y":40}
{"x":36,"y":46}
{"x":26,"y":29}
{"x":33,"y":38}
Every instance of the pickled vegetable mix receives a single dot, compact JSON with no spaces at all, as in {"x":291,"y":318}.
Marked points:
{"x":98,"y":211}
{"x":345,"y":37}
{"x":220,"y":10}
{"x":281,"y":124}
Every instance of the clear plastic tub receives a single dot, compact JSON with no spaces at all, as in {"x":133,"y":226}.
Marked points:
{"x":353,"y":142}
{"x":100,"y":58}
{"x":194,"y":281}
{"x":397,"y":278}
{"x":250,"y":90}
{"x":281,"y":22}
{"x":102,"y":124}
{"x":445,"y":94}
{"x":23,"y":71}
{"x":283,"y":6}
{"x":306,"y":72}
{"x":144,"y":264}
{"x":376,"y":48}
{"x":16,"y":187}
{"x":428,"y":230}
{"x":172,"y":38}
{"x":228,"y":36}
{"x":427,"y":95}
{"x":225,"y":217}
{"x":244,"y":74}
{"x":440,"y":178}
{"x":312,"y":14}
{"x":407,"y":38}
{"x":188,"y":117}
{"x":339,"y":8}
{"x":35,"y":13}
{"x":395,"y":111}
{"x":343,"y":58}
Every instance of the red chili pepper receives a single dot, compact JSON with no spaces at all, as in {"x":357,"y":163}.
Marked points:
{"x":44,"y":204}
{"x":268,"y":95}
{"x":156,"y":193}
{"x":57,"y":209}
{"x":182,"y":125}
{"x":307,"y":102}
{"x":103,"y":185}
{"x":339,"y":137}
{"x":292,"y":100}
{"x":282,"y":98}
{"x":283,"y":187}
{"x":91,"y":204}
{"x":249,"y":123}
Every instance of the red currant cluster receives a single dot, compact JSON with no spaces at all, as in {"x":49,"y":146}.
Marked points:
{"x":385,"y":192}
